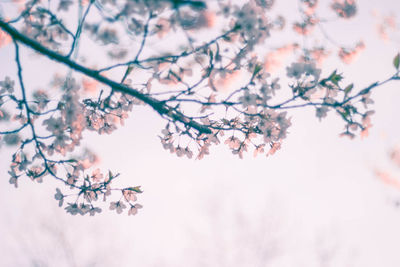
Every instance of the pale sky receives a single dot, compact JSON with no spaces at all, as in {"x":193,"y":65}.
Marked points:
{"x":317,"y":198}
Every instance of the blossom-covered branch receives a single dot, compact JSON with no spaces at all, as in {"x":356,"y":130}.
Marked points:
{"x":206,"y":67}
{"x":154,"y":103}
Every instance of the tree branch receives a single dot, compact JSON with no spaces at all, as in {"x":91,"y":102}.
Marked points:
{"x":157,"y":105}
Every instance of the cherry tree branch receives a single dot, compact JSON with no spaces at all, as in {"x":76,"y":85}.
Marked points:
{"x":47,"y":162}
{"x":157,"y":105}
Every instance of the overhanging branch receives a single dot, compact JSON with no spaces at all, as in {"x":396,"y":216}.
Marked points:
{"x":157,"y":105}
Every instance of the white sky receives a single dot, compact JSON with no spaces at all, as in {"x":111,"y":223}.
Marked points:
{"x":316,"y":197}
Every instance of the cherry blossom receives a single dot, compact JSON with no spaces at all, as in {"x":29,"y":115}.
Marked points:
{"x":59,"y":196}
{"x":134,"y":209}
{"x":117,"y":206}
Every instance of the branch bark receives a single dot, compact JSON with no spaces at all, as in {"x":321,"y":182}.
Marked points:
{"x":157,"y":105}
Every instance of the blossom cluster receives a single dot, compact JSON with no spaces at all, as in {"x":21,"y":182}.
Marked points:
{"x":47,"y":150}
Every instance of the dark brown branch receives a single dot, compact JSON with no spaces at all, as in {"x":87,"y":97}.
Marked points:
{"x":157,"y":105}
